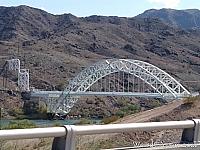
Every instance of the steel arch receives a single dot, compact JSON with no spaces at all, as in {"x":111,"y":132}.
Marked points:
{"x":158,"y":79}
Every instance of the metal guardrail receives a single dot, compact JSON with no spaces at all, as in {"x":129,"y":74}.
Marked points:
{"x":32,"y":133}
{"x":65,"y":136}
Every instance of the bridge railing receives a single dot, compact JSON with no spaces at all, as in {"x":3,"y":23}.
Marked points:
{"x":64,"y":137}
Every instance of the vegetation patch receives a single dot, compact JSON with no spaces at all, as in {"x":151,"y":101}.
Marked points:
{"x":110,"y":119}
{"x":127,"y":110}
{"x":190,"y":101}
{"x":84,"y":121}
{"x":20,"y":124}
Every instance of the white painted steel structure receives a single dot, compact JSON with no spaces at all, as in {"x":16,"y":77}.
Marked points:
{"x":56,"y":94}
{"x":164,"y":84}
{"x":32,"y":133}
{"x":23,"y":74}
{"x":71,"y":131}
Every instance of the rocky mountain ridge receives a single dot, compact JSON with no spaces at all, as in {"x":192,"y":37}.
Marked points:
{"x":55,"y":48}
{"x":186,"y":19}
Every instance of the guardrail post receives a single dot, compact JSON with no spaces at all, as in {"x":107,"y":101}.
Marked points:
{"x":196,"y":131}
{"x":67,"y":142}
{"x":192,"y":135}
{"x":59,"y":143}
{"x":70,"y":139}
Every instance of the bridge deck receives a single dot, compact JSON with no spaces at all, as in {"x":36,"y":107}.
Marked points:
{"x":56,"y":94}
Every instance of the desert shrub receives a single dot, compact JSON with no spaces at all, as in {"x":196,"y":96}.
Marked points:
{"x":17,"y":113}
{"x":31,"y":107}
{"x":110,"y":119}
{"x":155,"y":103}
{"x":57,"y":124}
{"x":134,"y":108}
{"x":123,"y":102}
{"x":129,"y":109}
{"x":84,"y":121}
{"x":190,"y":100}
{"x":129,"y":48}
{"x":125,"y":110}
{"x":120,"y":113}
{"x":60,"y":87}
{"x":20,"y":124}
{"x":42,"y":110}
{"x":20,"y":117}
{"x":157,"y":120}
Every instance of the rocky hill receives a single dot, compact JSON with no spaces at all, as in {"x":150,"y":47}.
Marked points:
{"x":186,"y":19}
{"x":57,"y":47}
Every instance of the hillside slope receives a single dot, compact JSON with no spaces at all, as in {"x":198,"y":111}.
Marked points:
{"x":177,"y":110}
{"x":57,"y":47}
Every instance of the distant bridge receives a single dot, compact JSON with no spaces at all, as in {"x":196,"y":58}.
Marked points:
{"x":128,"y":78}
{"x":111,"y":77}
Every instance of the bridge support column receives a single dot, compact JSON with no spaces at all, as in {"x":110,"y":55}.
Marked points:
{"x":192,"y":135}
{"x":67,"y":142}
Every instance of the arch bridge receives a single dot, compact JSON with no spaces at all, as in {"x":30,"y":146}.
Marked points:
{"x":116,"y":77}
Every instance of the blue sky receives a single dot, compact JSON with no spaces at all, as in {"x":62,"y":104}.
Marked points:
{"x":125,"y":8}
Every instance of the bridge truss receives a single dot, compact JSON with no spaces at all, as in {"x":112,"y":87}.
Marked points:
{"x":162,"y":84}
{"x":23,"y":74}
